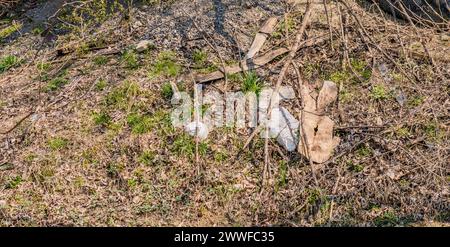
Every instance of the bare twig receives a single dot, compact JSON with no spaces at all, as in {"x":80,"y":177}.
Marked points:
{"x":17,"y":123}
{"x":213,"y":46}
{"x":282,"y":75}
{"x":302,"y":136}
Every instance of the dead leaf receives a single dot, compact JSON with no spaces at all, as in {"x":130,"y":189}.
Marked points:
{"x":317,"y":129}
{"x":319,"y":136}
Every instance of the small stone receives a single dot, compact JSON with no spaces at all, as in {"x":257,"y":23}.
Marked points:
{"x":2,"y":203}
{"x":445,"y":37}
{"x":144,"y":45}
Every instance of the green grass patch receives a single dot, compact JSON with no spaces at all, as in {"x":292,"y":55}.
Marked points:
{"x":340,"y":76}
{"x":100,"y":60}
{"x":147,"y":157}
{"x":403,"y":132}
{"x":364,"y":151}
{"x":56,"y":83}
{"x":220,"y":156}
{"x":280,"y":31}
{"x":184,"y":145}
{"x":433,"y":132}
{"x":282,"y":174}
{"x":379,"y":92}
{"x":101,"y":84}
{"x":114,"y":169}
{"x":387,"y":219}
{"x":38,"y":30}
{"x":43,"y":67}
{"x":13,"y":182}
{"x":139,"y":123}
{"x":101,"y":119}
{"x":130,"y":60}
{"x":360,"y":67}
{"x":166,"y":91}
{"x":416,"y":101}
{"x":57,"y":143}
{"x":251,"y":83}
{"x":158,"y":121}
{"x":353,"y":167}
{"x":200,"y":58}
{"x":8,"y":62}
{"x":208,"y":69}
{"x":314,"y":196}
{"x":121,"y":96}
{"x":165,"y":65}
{"x":7,"y":31}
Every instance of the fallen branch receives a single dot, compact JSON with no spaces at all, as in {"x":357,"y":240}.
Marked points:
{"x":17,"y":123}
{"x":281,"y":76}
{"x":302,"y":136}
{"x":257,"y":62}
{"x":261,"y":36}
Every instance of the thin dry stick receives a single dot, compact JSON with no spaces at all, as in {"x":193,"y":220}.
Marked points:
{"x":282,"y":75}
{"x":259,"y":61}
{"x":417,"y":34}
{"x":358,"y":21}
{"x":292,"y":53}
{"x":366,"y":139}
{"x":214,"y":47}
{"x":398,"y":33}
{"x":330,"y":28}
{"x":17,"y":123}
{"x":334,"y":192}
{"x":290,"y":56}
{"x":286,"y":28}
{"x":197,"y":116}
{"x":266,"y":155}
{"x":305,"y":147}
{"x":345,"y":61}
{"x":417,"y":18}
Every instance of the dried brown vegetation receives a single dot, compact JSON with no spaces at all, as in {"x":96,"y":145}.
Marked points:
{"x":86,"y":139}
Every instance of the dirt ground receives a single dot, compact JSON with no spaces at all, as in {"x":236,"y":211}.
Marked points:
{"x":86,"y":137}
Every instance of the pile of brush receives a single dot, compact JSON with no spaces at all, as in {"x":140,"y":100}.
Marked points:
{"x":6,"y":5}
{"x":422,"y":11}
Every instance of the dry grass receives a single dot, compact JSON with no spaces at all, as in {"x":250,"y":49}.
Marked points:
{"x":99,"y":149}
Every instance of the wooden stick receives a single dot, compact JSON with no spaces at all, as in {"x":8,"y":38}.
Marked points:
{"x":257,"y":62}
{"x":281,"y":77}
{"x":302,"y":135}
{"x":17,"y":123}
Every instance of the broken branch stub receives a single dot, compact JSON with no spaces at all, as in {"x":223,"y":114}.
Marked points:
{"x":261,"y":37}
